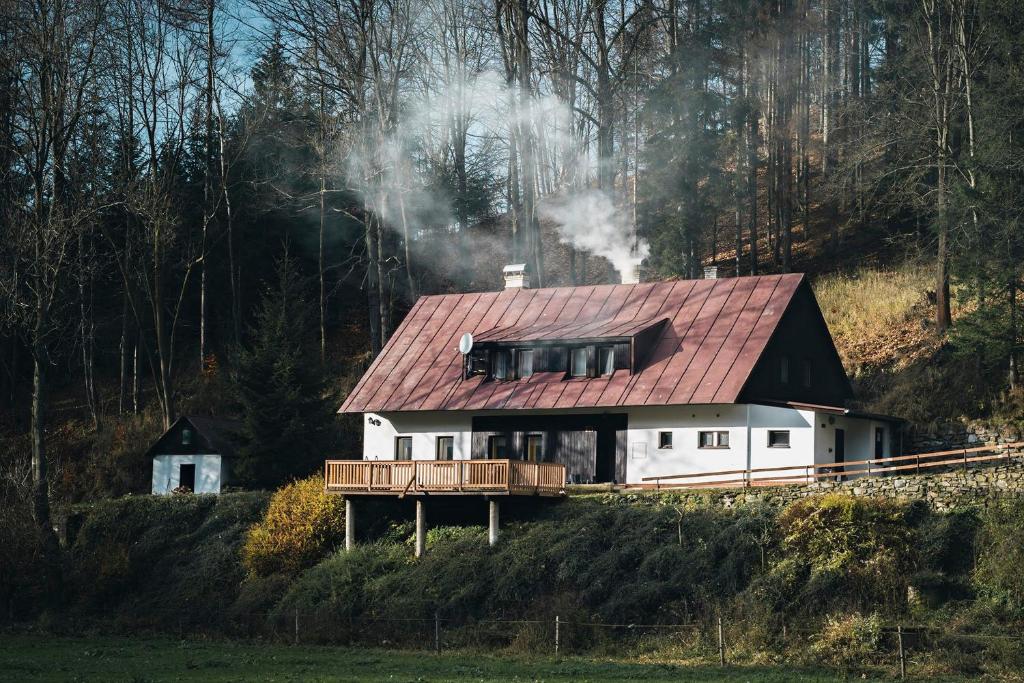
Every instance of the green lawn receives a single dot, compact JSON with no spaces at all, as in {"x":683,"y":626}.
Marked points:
{"x":39,"y":658}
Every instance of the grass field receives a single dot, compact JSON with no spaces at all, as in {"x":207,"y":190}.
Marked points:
{"x":40,"y":658}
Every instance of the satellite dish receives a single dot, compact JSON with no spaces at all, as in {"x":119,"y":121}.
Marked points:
{"x":466,"y":344}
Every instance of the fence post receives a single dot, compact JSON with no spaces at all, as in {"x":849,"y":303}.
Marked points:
{"x":721,"y":642}
{"x":296,"y":625}
{"x":437,"y":633}
{"x":965,"y":460}
{"x":903,"y":654}
{"x":558,"y":623}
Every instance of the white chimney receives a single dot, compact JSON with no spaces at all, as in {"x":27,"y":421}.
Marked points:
{"x":631,"y":276}
{"x":710,"y":272}
{"x":516,"y":276}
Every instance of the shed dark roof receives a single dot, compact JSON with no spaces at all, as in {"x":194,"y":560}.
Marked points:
{"x":717,"y":331}
{"x":219,"y":434}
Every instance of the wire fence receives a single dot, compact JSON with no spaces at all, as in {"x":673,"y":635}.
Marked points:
{"x":718,"y":641}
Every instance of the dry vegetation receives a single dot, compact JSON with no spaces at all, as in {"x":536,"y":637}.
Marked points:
{"x":879,"y":319}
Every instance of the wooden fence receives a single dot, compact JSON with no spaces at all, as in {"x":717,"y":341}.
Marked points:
{"x":410,"y":477}
{"x":775,"y":476}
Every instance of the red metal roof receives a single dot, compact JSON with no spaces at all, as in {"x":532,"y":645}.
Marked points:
{"x":716,"y":332}
{"x":587,"y":328}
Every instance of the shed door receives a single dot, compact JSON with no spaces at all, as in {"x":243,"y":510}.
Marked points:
{"x":187,"y":477}
{"x":879,"y":442}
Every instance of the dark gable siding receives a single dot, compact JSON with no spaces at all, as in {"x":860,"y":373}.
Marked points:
{"x":568,"y":439}
{"x":170,"y":442}
{"x":803,"y":337}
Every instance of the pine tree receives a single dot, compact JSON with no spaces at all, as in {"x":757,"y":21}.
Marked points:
{"x":287,"y":412}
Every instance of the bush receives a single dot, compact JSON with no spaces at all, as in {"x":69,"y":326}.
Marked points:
{"x":1001,"y":554}
{"x":303,"y":524}
{"x":154,"y":561}
{"x":848,"y":641}
{"x":862,"y":547}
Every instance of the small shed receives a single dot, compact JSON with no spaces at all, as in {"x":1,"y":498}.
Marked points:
{"x":194,"y":455}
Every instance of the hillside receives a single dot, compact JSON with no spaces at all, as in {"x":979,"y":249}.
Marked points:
{"x":621,"y":572}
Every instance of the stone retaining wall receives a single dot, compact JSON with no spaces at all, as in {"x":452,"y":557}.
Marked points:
{"x":976,"y":486}
{"x":957,"y":435}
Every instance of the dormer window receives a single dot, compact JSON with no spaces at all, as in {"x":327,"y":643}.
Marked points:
{"x":606,"y":360}
{"x":524,"y":363}
{"x":578,"y":362}
{"x":501,"y":364}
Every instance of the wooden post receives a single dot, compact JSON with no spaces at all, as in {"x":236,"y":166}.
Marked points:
{"x":350,"y":524}
{"x":421,"y":528}
{"x":965,"y":460}
{"x":558,"y":623}
{"x":296,"y":625}
{"x":492,"y":519}
{"x":721,"y":642}
{"x":903,"y":654}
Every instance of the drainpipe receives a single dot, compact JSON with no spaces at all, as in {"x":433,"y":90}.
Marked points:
{"x":749,"y":459}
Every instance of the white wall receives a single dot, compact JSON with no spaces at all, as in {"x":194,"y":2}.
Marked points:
{"x":644,"y":458}
{"x":859,"y":437}
{"x":166,"y":469}
{"x":423,"y":427}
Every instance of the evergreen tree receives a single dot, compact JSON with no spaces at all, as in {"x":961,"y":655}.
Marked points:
{"x":288,"y":415}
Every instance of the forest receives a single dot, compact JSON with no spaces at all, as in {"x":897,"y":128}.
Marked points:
{"x":228,"y":205}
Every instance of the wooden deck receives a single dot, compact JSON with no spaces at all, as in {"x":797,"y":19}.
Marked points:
{"x":444,"y":477}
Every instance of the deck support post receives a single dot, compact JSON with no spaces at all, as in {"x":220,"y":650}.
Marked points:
{"x":350,"y":524}
{"x":492,"y":526}
{"x":421,"y":528}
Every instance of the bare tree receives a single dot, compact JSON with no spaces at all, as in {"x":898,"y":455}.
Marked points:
{"x":54,"y":55}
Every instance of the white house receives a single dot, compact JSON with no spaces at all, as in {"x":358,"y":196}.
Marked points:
{"x":193,"y":455}
{"x":620,"y":383}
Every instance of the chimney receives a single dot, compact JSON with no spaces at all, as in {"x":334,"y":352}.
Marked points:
{"x":631,"y":276}
{"x":516,"y":276}
{"x":710,"y":272}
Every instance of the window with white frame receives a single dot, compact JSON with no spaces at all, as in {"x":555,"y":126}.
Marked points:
{"x":712,"y":439}
{"x":403,"y":448}
{"x":445,"y":447}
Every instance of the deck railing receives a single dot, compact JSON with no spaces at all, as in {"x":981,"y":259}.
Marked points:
{"x":805,"y":474}
{"x":401,"y":477}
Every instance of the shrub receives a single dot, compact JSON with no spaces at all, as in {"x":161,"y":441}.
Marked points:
{"x":302,"y":524}
{"x":1001,"y":554}
{"x":862,"y":546}
{"x":848,"y":641}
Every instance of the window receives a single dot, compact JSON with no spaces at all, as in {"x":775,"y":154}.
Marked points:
{"x":664,"y":439}
{"x":476,"y":364}
{"x":403,"y":448}
{"x":445,"y":448}
{"x":784,"y":369}
{"x":778,"y":438}
{"x":807,"y":373}
{"x":712,"y":439}
{"x":578,"y":362}
{"x":606,"y":360}
{"x":535,"y":447}
{"x":501,"y":364}
{"x":525,"y":363}
{"x":497,"y":448}
{"x":186,"y":437}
